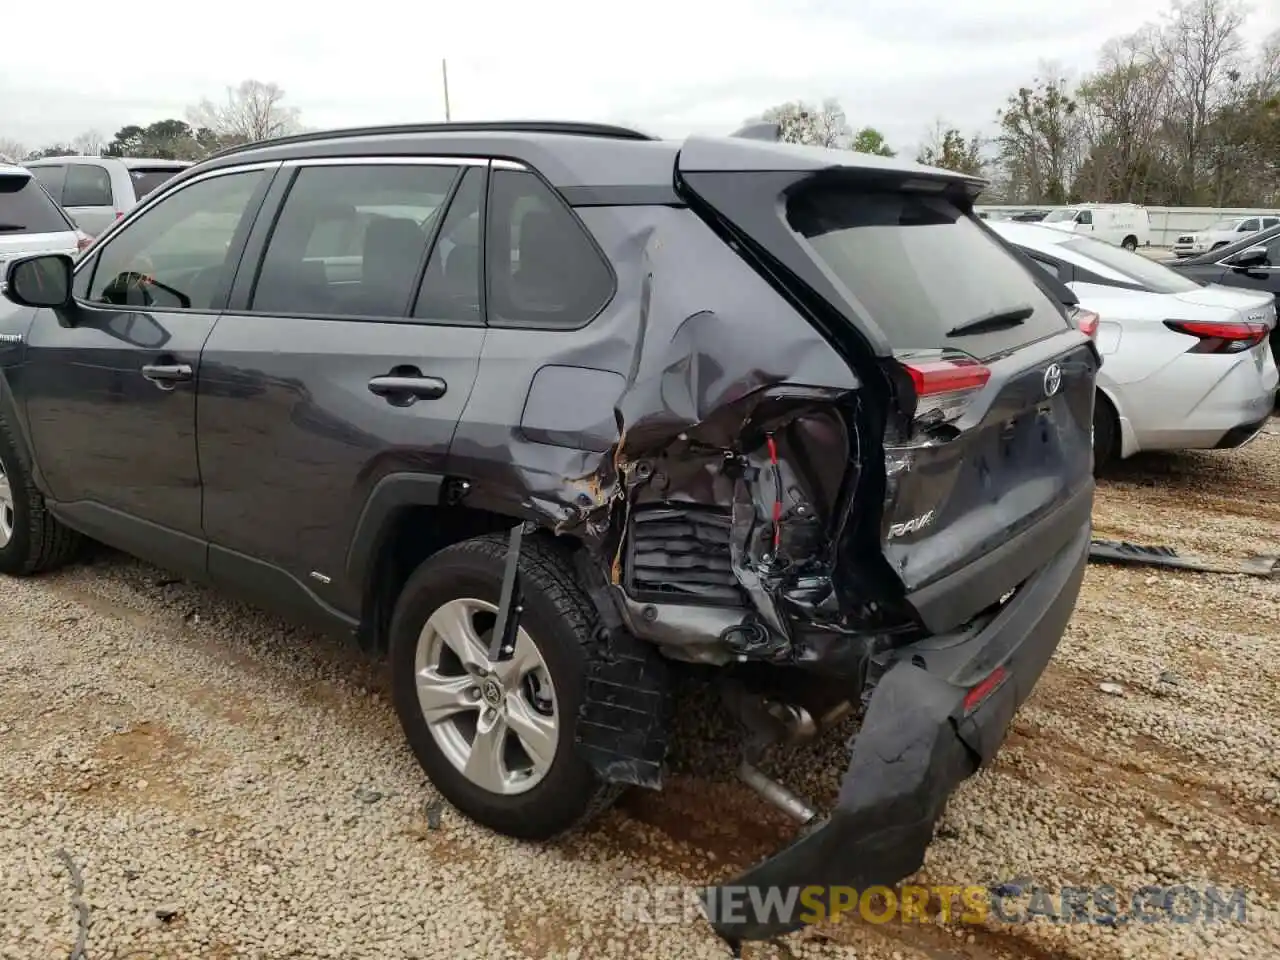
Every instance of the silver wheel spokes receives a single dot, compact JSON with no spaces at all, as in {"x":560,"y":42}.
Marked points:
{"x":6,"y":508}
{"x":496,"y":722}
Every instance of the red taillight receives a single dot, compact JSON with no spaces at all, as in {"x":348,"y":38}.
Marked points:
{"x":983,"y":689}
{"x":1220,"y":337}
{"x":944,"y":382}
{"x":932,"y":377}
{"x":119,"y":214}
{"x":1087,"y":322}
{"x":83,"y":242}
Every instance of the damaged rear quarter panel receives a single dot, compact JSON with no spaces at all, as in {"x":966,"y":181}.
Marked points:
{"x":681,"y":356}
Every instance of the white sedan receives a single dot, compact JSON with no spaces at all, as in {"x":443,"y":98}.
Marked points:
{"x":1184,"y":366}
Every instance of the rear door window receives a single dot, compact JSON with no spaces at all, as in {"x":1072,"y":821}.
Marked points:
{"x":52,"y":177}
{"x":25,"y":207}
{"x":351,"y":240}
{"x":918,"y":267}
{"x":544,"y":270}
{"x":146,"y":179}
{"x":87,"y":185}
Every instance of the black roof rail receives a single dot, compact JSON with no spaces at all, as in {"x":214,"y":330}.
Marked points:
{"x":566,"y":127}
{"x":760,"y":130}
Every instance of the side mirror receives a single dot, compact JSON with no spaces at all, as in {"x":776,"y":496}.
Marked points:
{"x":1250,"y":257}
{"x":39,"y":281}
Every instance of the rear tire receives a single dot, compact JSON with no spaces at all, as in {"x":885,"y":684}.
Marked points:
{"x":1106,"y":432}
{"x":31,"y":539}
{"x":1130,"y":244}
{"x":455,"y":593}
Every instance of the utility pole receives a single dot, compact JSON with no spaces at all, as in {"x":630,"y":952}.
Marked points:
{"x":444,"y":72}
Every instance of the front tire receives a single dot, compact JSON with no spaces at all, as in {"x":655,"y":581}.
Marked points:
{"x":1130,"y":244}
{"x":31,"y":538}
{"x":497,"y":740}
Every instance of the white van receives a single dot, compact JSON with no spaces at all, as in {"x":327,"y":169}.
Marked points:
{"x":1120,"y":224}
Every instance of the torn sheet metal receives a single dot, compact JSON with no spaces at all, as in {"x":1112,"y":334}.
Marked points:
{"x":1133,"y":554}
{"x":683,"y":392}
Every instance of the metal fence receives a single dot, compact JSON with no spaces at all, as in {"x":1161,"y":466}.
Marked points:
{"x":1167,"y":223}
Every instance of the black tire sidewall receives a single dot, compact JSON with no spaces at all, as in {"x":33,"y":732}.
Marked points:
{"x":1104,"y":433}
{"x":569,"y":786}
{"x":14,"y":554}
{"x":1130,"y":247}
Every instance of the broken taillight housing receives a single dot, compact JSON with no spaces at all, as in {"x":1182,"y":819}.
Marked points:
{"x":944,"y":382}
{"x":1220,"y":337}
{"x":1086,"y":321}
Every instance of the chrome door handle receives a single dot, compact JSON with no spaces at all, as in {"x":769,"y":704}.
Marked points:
{"x":405,"y":390}
{"x":165,"y":375}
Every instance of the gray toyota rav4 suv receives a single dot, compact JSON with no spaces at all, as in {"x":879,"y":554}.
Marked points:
{"x":550,"y":412}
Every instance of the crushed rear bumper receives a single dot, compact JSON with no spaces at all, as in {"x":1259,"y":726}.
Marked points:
{"x":915,"y":747}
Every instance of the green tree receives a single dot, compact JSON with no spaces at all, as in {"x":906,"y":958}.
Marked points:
{"x":948,"y":148}
{"x":871,"y":140}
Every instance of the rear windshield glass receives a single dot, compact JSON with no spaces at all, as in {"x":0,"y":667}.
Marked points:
{"x":25,"y":207}
{"x":1149,"y":274}
{"x":919,"y":267}
{"x":146,"y":180}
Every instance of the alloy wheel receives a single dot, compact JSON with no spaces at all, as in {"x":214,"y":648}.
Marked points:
{"x":7,"y":518}
{"x":497,"y":722}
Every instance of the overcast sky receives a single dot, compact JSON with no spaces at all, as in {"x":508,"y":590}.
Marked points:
{"x":670,"y":66}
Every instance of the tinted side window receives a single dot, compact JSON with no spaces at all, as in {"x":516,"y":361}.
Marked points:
{"x":52,"y":178}
{"x":351,"y":240}
{"x":1085,"y":217}
{"x":450,"y":290}
{"x":88,"y":185}
{"x":25,"y":207}
{"x":1249,"y":226}
{"x":543,"y":268}
{"x":176,"y":254}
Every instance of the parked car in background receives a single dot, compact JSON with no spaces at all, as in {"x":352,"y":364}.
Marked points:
{"x":30,"y":222}
{"x":1028,"y":216}
{"x":1221,"y":234}
{"x":1121,"y":224}
{"x":1251,"y":263}
{"x":1184,"y":366}
{"x":98,"y":191}
{"x":549,"y":412}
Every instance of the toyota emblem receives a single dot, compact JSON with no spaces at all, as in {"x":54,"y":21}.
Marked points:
{"x":1052,"y":379}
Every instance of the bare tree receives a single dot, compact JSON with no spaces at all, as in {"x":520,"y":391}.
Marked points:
{"x":1122,"y":112}
{"x":253,"y":111}
{"x":89,"y":144}
{"x":11,"y":151}
{"x":1202,"y":47}
{"x":824,"y":126}
{"x":1040,"y":142}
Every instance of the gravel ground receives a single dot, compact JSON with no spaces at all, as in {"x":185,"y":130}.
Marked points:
{"x":228,"y":786}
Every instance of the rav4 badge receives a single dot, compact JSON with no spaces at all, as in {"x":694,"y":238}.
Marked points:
{"x":913,"y":525}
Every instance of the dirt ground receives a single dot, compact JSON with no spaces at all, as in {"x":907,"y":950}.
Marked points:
{"x":229,"y":786}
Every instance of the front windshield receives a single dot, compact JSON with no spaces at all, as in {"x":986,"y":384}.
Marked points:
{"x":1137,"y":268}
{"x":1225,"y":225}
{"x":1061,"y":216}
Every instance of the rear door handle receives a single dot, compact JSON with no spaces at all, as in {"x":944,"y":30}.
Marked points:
{"x":167,"y":374}
{"x":403,"y":390}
